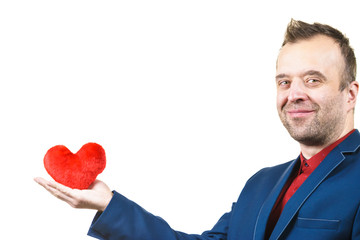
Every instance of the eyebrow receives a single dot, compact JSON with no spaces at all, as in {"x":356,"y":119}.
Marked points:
{"x":309,"y":72}
{"x":314,"y":73}
{"x":281,"y":75}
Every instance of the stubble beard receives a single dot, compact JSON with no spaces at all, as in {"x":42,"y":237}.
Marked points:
{"x":320,"y":130}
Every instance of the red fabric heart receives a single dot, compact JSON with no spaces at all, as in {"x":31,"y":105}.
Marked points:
{"x":77,"y":170}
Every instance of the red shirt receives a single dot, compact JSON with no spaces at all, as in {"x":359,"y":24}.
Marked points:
{"x":307,"y":166}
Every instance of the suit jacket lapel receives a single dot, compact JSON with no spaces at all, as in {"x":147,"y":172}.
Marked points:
{"x":312,"y":182}
{"x":266,"y":208}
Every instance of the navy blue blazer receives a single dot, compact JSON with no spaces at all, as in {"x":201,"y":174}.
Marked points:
{"x":325,"y":207}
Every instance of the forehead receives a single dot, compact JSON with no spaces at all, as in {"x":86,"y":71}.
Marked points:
{"x":320,"y":53}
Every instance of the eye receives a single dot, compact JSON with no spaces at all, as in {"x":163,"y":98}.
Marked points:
{"x":283,"y":83}
{"x":313,"y":81}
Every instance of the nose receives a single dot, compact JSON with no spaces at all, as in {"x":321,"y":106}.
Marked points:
{"x":297,"y":91}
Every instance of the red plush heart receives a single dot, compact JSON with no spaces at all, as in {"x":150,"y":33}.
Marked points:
{"x":77,"y":170}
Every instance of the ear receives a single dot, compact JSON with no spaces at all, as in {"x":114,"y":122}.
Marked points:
{"x":353,"y":90}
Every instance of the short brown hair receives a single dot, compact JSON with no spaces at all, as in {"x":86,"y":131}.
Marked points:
{"x":298,"y":30}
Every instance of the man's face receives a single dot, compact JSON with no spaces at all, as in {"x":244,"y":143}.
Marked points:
{"x":309,"y":102}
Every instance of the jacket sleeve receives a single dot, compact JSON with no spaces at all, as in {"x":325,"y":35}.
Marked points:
{"x":124,"y":219}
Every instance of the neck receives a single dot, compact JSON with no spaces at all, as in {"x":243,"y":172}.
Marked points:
{"x":309,"y":151}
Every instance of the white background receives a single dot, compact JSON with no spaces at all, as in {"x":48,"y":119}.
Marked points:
{"x":180,"y":94}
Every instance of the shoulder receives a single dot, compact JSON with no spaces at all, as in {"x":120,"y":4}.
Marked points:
{"x":272,"y":173}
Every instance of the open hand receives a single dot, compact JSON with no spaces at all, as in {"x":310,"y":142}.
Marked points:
{"x":97,"y":196}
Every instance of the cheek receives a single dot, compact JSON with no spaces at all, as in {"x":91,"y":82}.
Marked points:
{"x":280,"y":101}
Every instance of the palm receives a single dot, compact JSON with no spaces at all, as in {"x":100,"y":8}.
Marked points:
{"x":96,"y":197}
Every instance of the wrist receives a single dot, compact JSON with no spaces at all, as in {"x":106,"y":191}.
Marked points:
{"x":106,"y":202}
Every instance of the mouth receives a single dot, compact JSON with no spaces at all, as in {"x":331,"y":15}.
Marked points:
{"x":299,"y":113}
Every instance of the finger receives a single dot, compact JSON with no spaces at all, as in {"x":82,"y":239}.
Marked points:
{"x":53,"y":186}
{"x":59,"y":191}
{"x":41,"y":181}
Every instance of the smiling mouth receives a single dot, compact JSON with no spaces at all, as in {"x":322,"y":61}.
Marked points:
{"x":298,"y":113}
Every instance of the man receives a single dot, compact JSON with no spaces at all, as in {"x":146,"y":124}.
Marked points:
{"x":315,"y":196}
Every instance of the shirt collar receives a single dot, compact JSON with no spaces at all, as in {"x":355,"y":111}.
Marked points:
{"x":308,"y":165}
